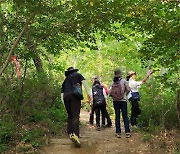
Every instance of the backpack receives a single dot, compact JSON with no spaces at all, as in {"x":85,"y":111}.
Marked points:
{"x":98,"y":96}
{"x":117,"y":92}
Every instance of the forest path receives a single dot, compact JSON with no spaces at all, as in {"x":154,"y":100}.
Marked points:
{"x":99,"y":142}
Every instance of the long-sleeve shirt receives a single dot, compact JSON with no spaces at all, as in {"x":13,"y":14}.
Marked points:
{"x":134,"y":85}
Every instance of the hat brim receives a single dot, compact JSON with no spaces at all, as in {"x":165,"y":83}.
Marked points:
{"x":73,"y":70}
{"x":132,"y":74}
{"x":118,"y":75}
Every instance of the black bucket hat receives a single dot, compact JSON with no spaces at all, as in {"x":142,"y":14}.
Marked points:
{"x":71,"y":69}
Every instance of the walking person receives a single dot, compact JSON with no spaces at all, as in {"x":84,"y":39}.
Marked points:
{"x":91,"y":118}
{"x":118,"y":91}
{"x":72,"y":101}
{"x":99,"y":102}
{"x":134,"y":96}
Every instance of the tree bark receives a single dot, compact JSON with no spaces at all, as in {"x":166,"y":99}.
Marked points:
{"x":15,"y":44}
{"x":178,"y":107}
{"x":37,"y":60}
{"x":31,"y":45}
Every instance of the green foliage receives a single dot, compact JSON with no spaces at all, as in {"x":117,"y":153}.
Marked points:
{"x":7,"y":130}
{"x":95,"y":36}
{"x":158,"y":107}
{"x":33,"y":137}
{"x":2,"y":147}
{"x":36,"y":110}
{"x":146,"y":137}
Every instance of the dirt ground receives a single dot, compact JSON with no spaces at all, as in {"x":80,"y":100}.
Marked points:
{"x":100,"y":142}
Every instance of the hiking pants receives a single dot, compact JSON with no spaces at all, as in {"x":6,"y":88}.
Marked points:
{"x":100,"y":110}
{"x":72,"y":106}
{"x":135,"y":111}
{"x":91,"y":118}
{"x":109,"y":122}
{"x":121,"y":106}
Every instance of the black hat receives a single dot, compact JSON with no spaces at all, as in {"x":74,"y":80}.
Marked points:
{"x":118,"y":73}
{"x":71,"y":69}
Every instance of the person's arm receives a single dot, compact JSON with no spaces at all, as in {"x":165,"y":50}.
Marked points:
{"x":147,"y":76}
{"x":104,"y":93}
{"x":110,"y":90}
{"x":127,"y":88}
{"x":62,"y":93}
{"x":105,"y":96}
{"x":90,"y":98}
{"x":62,"y":99}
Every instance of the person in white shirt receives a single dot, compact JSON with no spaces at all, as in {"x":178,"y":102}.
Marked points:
{"x":134,"y":95}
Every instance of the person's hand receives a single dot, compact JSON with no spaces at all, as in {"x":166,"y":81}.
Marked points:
{"x":91,"y":104}
{"x":106,"y":104}
{"x":149,"y":72}
{"x":89,"y":98}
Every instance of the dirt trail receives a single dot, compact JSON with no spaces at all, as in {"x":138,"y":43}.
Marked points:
{"x":99,"y":142}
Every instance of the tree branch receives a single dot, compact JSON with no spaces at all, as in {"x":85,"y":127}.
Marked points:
{"x":16,"y":43}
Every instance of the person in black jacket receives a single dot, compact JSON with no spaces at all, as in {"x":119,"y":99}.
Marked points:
{"x":72,"y":103}
{"x":91,"y":118}
{"x":99,"y":102}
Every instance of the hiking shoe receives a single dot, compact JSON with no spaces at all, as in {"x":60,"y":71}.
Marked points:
{"x":135,"y":127}
{"x":98,"y":128}
{"x":103,"y":126}
{"x":75,"y":139}
{"x":118,"y":135}
{"x":91,"y":123}
{"x":128,"y":135}
{"x":109,"y":125}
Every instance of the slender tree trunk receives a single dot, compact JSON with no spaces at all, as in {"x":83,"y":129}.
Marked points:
{"x":16,"y":43}
{"x":178,"y":106}
{"x":100,"y":58}
{"x":37,"y":60}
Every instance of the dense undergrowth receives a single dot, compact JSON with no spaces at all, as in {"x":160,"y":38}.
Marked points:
{"x":32,"y":111}
{"x":158,"y":105}
{"x":29,"y":112}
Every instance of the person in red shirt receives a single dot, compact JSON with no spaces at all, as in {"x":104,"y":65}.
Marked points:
{"x":105,"y":87}
{"x":91,"y":118}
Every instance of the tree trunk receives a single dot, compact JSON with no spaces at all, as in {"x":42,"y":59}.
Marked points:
{"x":178,"y":107}
{"x":37,"y":60}
{"x":16,"y":43}
{"x":31,"y":45}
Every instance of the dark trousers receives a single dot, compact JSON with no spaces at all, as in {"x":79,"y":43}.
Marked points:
{"x":100,"y":110}
{"x":121,"y":106}
{"x":72,"y":106}
{"x":135,"y":111}
{"x":91,"y":118}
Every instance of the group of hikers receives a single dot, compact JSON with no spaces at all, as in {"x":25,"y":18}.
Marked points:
{"x":120,"y":91}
